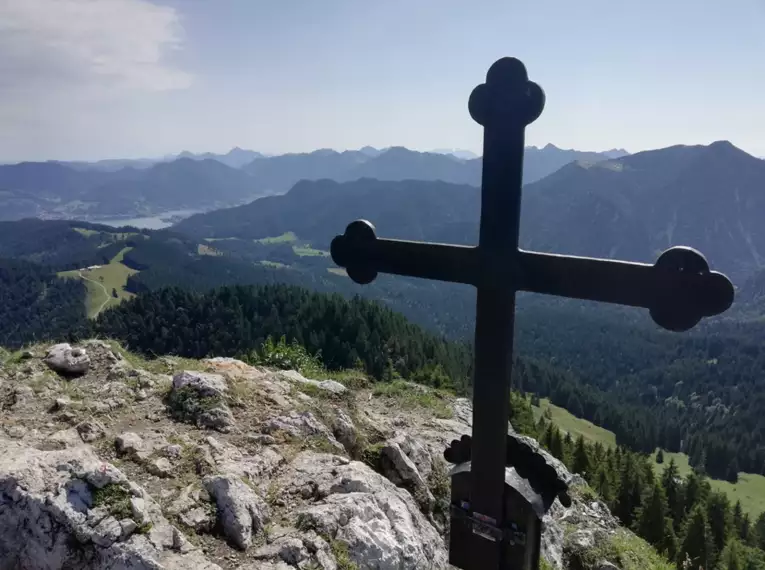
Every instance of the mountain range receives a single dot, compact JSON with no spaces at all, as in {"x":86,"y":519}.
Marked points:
{"x":131,"y":188}
{"x":632,"y":207}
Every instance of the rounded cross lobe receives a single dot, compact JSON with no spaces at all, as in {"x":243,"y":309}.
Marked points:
{"x":680,"y":310}
{"x":350,"y":251}
{"x":507,"y":98}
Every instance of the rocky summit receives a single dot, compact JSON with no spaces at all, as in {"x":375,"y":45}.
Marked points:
{"x":108,"y":461}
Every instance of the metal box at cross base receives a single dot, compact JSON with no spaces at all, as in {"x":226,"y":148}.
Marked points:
{"x":520,"y":540}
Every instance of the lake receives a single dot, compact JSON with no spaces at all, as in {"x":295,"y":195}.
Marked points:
{"x":149,"y":223}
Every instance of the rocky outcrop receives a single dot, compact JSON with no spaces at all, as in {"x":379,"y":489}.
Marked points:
{"x":64,"y":359}
{"x":380,"y":524}
{"x":199,"y":398}
{"x":300,"y":425}
{"x":235,"y":467}
{"x":240,"y":511}
{"x":68,"y":509}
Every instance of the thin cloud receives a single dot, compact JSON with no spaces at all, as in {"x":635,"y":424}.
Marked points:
{"x":71,"y":47}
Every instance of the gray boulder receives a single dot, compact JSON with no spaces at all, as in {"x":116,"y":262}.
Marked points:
{"x":46,"y":507}
{"x":64,"y":359}
{"x":326,"y":385}
{"x":198,"y":397}
{"x":300,"y":425}
{"x":379,"y":523}
{"x":240,"y":511}
{"x":402,"y":471}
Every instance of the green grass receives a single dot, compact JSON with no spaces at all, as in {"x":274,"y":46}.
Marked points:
{"x":750,"y":488}
{"x":338,"y":271}
{"x":575,"y":426}
{"x":203,"y":249}
{"x":409,"y":396}
{"x":275,"y":264}
{"x":308,"y":251}
{"x":626,"y":550}
{"x":100,"y":283}
{"x":86,"y":232}
{"x":115,"y":499}
{"x":287,"y":237}
{"x":221,"y":239}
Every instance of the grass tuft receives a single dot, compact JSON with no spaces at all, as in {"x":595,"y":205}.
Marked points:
{"x":410,"y":396}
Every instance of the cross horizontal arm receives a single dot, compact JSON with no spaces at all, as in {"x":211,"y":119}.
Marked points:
{"x":363,"y":255}
{"x":679,"y":289}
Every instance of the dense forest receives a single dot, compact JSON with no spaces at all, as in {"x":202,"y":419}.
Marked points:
{"x":683,"y":518}
{"x":60,"y":245}
{"x":236,"y":320}
{"x":35,"y":305}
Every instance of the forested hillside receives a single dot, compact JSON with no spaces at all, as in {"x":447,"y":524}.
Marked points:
{"x":35,"y":305}
{"x":236,"y":320}
{"x":683,"y":518}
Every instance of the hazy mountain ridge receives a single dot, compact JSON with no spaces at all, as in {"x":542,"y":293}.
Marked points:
{"x":125,"y":188}
{"x":633,"y":207}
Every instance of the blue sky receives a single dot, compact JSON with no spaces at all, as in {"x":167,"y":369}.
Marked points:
{"x":82,"y":79}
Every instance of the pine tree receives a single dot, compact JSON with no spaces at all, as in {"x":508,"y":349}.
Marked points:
{"x":670,"y":480}
{"x":732,"y":557}
{"x":660,"y":456}
{"x":697,"y":541}
{"x":669,"y":545}
{"x":625,"y":498}
{"x":759,"y":532}
{"x":603,"y":484}
{"x":581,"y":459}
{"x":556,"y":445}
{"x":650,"y":523}
{"x":719,"y":517}
{"x":738,"y":519}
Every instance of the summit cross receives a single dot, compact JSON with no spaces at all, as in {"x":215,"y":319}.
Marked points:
{"x":678,"y":290}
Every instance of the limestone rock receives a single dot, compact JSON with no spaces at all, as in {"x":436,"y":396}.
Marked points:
{"x":327,"y":385}
{"x":90,"y":431}
{"x":261,"y":439}
{"x":240,"y":511}
{"x":226,"y":458}
{"x":203,"y":383}
{"x":198,"y":397}
{"x":300,"y":425}
{"x":402,"y":471}
{"x":64,"y":438}
{"x":129,"y":443}
{"x":345,"y":431}
{"x":46,"y":506}
{"x":64,"y":359}
{"x":380,"y":523}
{"x":288,"y":549}
{"x":160,"y":467}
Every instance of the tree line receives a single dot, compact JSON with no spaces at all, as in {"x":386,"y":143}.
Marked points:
{"x":683,"y":518}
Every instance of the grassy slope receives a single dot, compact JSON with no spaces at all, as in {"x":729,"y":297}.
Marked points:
{"x":308,"y":251}
{"x":575,"y":426}
{"x":288,"y":237}
{"x":750,"y":489}
{"x":111,"y":276}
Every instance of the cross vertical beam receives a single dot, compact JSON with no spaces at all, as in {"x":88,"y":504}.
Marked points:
{"x":504,"y":124}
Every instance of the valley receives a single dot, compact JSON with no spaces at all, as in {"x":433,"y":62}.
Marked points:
{"x":106,"y":284}
{"x":226,"y":282}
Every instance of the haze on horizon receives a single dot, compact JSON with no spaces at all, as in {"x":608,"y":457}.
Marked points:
{"x":89,"y":80}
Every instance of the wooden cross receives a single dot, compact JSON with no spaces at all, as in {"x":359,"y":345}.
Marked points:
{"x":679,"y":289}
